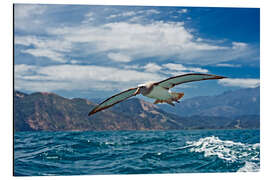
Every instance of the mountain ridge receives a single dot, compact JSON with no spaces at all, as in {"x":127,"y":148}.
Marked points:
{"x":228,"y":104}
{"x":43,"y":111}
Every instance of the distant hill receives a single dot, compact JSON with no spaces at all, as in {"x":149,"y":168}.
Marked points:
{"x":51,"y":112}
{"x":229,"y":104}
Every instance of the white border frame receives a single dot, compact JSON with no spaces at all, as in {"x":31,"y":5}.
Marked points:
{"x":7,"y":84}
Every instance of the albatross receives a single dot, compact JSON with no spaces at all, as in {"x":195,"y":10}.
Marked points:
{"x":160,"y":91}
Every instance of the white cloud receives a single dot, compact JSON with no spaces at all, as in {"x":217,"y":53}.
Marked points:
{"x":112,"y":16}
{"x":52,"y":55}
{"x":240,"y":82}
{"x":149,"y":11}
{"x":182,"y":11}
{"x":129,"y":13}
{"x":239,"y":45}
{"x":53,"y":49}
{"x":73,"y":61}
{"x":118,"y":57}
{"x":87,"y":77}
{"x":124,"y":14}
{"x":152,"y":67}
{"x":78,"y":77}
{"x":179,"y":68}
{"x":56,"y":44}
{"x":27,"y":16}
{"x":136,"y":19}
{"x":23,"y":69}
{"x":88,"y":18}
{"x":136,"y":41}
{"x":26,"y":10}
{"x":135,"y":66}
{"x":169,"y":68}
{"x":228,"y":65}
{"x":140,"y":16}
{"x":25,"y":40}
{"x":196,"y":69}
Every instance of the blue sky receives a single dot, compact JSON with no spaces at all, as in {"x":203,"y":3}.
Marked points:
{"x":97,"y":51}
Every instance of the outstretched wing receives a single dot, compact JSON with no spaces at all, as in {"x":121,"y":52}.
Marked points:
{"x":114,"y":100}
{"x":172,"y":81}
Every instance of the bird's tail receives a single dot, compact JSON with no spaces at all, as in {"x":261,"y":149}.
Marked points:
{"x":176,"y":96}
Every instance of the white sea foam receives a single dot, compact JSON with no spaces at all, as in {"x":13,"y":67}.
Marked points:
{"x":109,"y":143}
{"x":249,"y":167}
{"x":213,"y":146}
{"x":229,"y":151}
{"x":256,"y":146}
{"x":52,"y":157}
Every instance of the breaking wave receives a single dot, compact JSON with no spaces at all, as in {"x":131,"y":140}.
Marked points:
{"x":230,"y":151}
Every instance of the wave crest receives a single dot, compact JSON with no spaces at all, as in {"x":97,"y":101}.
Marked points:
{"x":246,"y":154}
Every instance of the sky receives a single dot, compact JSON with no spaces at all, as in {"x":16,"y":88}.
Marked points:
{"x":97,"y":51}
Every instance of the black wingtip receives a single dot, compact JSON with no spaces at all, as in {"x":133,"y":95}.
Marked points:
{"x":220,"y":77}
{"x":91,"y":112}
{"x":94,"y":111}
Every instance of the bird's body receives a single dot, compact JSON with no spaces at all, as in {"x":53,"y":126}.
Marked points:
{"x":160,"y":91}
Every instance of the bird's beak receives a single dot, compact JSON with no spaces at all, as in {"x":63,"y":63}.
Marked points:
{"x":138,"y":91}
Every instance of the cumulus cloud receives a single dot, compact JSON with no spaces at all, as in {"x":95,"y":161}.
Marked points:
{"x":240,"y":82}
{"x":163,"y":39}
{"x":137,"y":36}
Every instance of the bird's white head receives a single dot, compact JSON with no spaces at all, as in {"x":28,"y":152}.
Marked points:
{"x":145,"y":88}
{"x":141,"y":85}
{"x":147,"y":85}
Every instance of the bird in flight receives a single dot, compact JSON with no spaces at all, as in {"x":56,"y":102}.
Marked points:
{"x":160,"y":91}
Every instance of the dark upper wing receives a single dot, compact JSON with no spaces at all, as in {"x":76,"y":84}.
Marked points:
{"x":172,"y":81}
{"x":114,"y":99}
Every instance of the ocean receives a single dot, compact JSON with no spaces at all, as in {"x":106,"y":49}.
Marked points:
{"x":135,"y":152}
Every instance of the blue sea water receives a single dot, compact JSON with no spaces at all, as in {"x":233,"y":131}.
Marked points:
{"x":135,"y":152}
